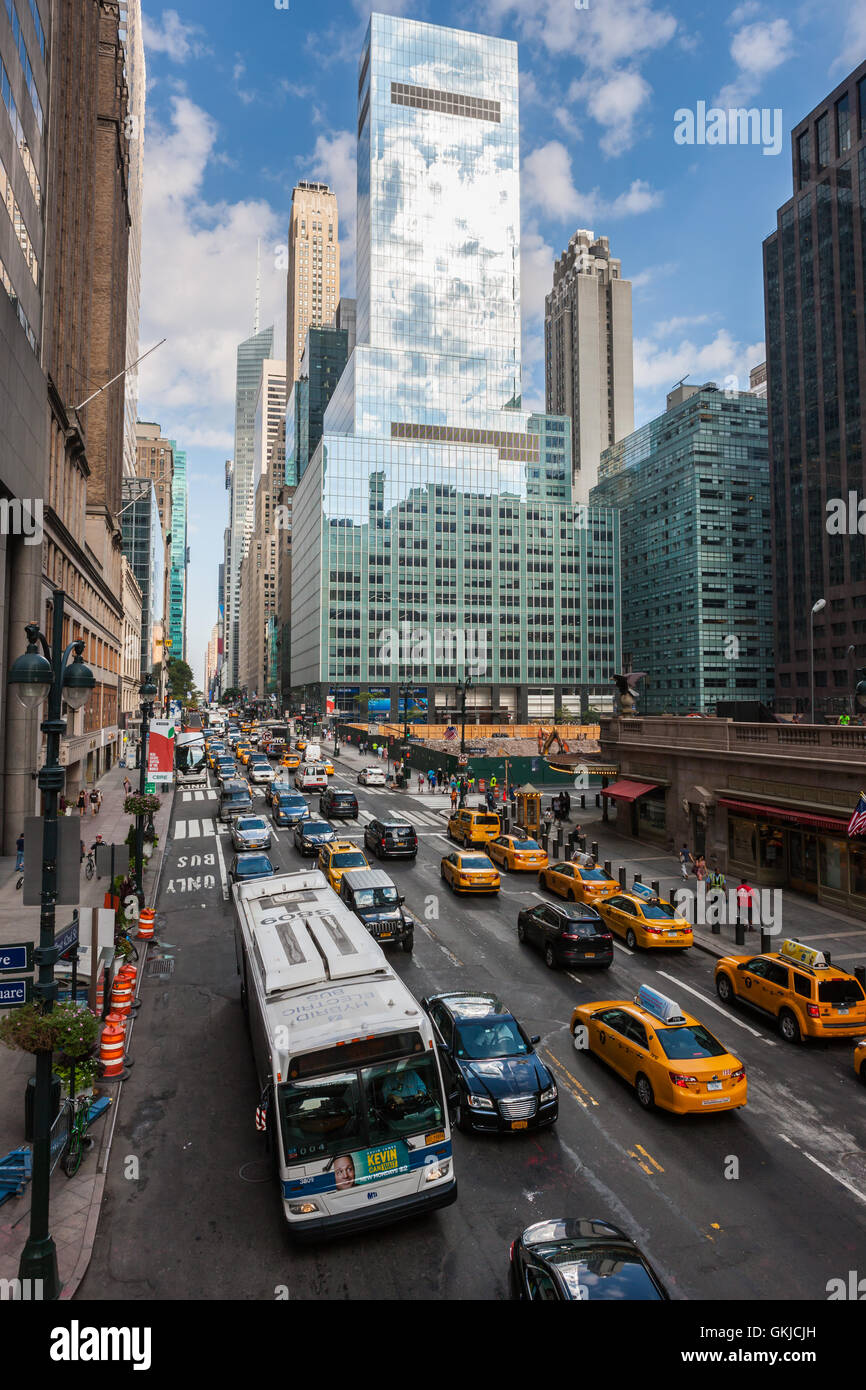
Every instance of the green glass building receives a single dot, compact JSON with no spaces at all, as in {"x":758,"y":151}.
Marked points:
{"x":693,"y":492}
{"x":179,"y":556}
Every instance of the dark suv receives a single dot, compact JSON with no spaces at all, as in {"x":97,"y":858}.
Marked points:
{"x":373,"y":898}
{"x":338,"y":805}
{"x":566,"y":934}
{"x":391,"y":839}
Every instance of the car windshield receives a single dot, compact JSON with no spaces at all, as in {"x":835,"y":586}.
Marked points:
{"x":349,"y":859}
{"x":488,"y":820}
{"x":593,"y":876}
{"x":657,"y":912}
{"x":475,"y":861}
{"x":498,"y":1037}
{"x":252,"y":823}
{"x":398,"y":830}
{"x":255,"y":864}
{"x":342,"y":798}
{"x":376,"y":897}
{"x":840,"y":991}
{"x":316,"y":827}
{"x":689,"y":1041}
{"x":524,"y":844}
{"x":613,"y":1272}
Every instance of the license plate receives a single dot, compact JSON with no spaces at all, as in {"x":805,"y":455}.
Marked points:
{"x":843,"y":1010}
{"x":399,"y":844}
{"x":589,"y":955}
{"x":673,"y":933}
{"x":385,"y":935}
{"x":714,"y":1085}
{"x":519,"y":1124}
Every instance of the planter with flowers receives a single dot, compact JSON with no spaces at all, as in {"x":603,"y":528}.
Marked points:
{"x":70,"y":1030}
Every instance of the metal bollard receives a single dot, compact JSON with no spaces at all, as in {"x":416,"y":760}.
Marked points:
{"x":581,"y":840}
{"x":597,"y":799}
{"x":860,"y":973}
{"x":740,"y":933}
{"x":766,"y":940}
{"x":595,"y":850}
{"x":622,"y":877}
{"x":656,"y":887}
{"x":637,"y":878}
{"x":583,"y":802}
{"x":716,"y":925}
{"x":608,"y":868}
{"x":826,"y":955}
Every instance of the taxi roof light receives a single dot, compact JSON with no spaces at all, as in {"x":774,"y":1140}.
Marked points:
{"x":659,"y":1005}
{"x":805,"y":955}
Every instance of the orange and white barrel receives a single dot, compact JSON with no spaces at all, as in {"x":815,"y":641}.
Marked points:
{"x":145,"y":924}
{"x":111,"y":1046}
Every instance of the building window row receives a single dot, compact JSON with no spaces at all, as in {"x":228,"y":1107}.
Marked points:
{"x":7,"y":197}
{"x":451,"y":103}
{"x":13,"y":295}
{"x":21,"y":45}
{"x":20,"y":137}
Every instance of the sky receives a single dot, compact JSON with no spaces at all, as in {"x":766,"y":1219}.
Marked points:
{"x":245,"y":99}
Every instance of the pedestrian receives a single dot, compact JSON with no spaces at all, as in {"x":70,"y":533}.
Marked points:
{"x":94,"y":801}
{"x":82,"y":803}
{"x":556,"y":807}
{"x":431,"y":778}
{"x":19,"y":853}
{"x":127,"y":786}
{"x":453,"y":781}
{"x":491,"y":799}
{"x":566,"y":800}
{"x":746,"y":905}
{"x":420,"y":781}
{"x":453,"y":797}
{"x":685,"y":861}
{"x":700,"y":868}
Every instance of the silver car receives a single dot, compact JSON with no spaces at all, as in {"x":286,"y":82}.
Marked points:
{"x":250,"y":832}
{"x":259,"y":769}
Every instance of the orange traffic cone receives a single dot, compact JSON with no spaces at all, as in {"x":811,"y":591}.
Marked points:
{"x":145,"y":924}
{"x":111,"y":1046}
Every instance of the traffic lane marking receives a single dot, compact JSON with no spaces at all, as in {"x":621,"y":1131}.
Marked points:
{"x":222,"y":868}
{"x":569,"y":1080}
{"x":718,"y":1007}
{"x":861,"y":1196}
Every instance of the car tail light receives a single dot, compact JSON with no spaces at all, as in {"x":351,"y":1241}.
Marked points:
{"x":511,"y":1251}
{"x":739,"y":1075}
{"x":813,"y":1011}
{"x":654,"y":931}
{"x":680,"y":1079}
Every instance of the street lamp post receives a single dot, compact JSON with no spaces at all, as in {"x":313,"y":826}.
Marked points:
{"x":36,"y":678}
{"x":146,"y":694}
{"x":816,"y":608}
{"x":462,"y":687}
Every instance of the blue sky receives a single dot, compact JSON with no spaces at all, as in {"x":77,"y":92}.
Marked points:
{"x":245,"y":99}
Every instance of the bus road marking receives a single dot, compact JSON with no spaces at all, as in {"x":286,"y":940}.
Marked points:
{"x":222,"y":867}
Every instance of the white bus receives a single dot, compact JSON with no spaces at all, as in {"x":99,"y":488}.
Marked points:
{"x":356,"y":1111}
{"x":190,"y":762}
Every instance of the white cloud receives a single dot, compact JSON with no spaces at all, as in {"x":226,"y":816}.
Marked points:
{"x":238,"y":73}
{"x":178,"y":41}
{"x":656,"y":368}
{"x":547,"y":185}
{"x":668,"y":326}
{"x":854,"y":40}
{"x":333,"y":160}
{"x":748,"y":10}
{"x":757,"y":49}
{"x":615,"y":102}
{"x":653,"y":273}
{"x":198,"y":281}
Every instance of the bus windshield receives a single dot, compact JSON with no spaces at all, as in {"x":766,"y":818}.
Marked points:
{"x":189,"y":755}
{"x":359,"y":1108}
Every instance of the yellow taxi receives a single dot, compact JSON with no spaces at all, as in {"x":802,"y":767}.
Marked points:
{"x":338,"y":856}
{"x":329,"y":768}
{"x":795,"y":986}
{"x":578,"y":883}
{"x":645,"y":922}
{"x":290,"y":760}
{"x":243,"y":752}
{"x":516,"y":852}
{"x":301,"y":745}
{"x":214,"y":753}
{"x":246,"y":728}
{"x":668,"y":1056}
{"x":860,"y":1060}
{"x":473,"y":827}
{"x":467,"y":871}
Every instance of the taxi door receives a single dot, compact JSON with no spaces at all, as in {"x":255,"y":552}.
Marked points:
{"x":634,"y":1048}
{"x":610,"y":1038}
{"x":617,"y":919}
{"x":776,"y":986}
{"x":751,"y":985}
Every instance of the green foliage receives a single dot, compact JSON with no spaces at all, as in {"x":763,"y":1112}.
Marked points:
{"x":86,"y":1069}
{"x":181,"y":682}
{"x":70,"y":1029}
{"x":138,"y":804}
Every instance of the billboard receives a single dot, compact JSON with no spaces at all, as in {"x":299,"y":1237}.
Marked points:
{"x":160,"y":752}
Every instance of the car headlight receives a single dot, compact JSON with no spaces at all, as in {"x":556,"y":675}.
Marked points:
{"x":549,"y":1095}
{"x":303,"y":1208}
{"x":480,"y":1103}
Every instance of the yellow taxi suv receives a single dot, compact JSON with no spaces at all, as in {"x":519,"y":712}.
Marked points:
{"x":338,"y":856}
{"x":291,"y":761}
{"x":578,"y":883}
{"x":329,"y":768}
{"x":469,"y":872}
{"x":645,"y":922}
{"x":860,"y":1060}
{"x":670,"y":1059}
{"x":473,"y":827}
{"x":797,"y":987}
{"x":514,"y":852}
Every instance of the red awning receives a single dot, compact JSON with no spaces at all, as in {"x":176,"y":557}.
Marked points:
{"x":629,"y":791}
{"x":757,"y":808}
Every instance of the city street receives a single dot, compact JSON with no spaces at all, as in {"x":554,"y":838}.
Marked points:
{"x":765,"y":1203}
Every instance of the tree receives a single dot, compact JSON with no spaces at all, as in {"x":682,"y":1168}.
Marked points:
{"x":230,"y":696}
{"x":181,"y":681}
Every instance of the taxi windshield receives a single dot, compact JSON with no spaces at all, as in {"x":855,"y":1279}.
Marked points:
{"x":593,"y":876}
{"x":475,"y":861}
{"x":657,"y":912}
{"x":689,"y":1040}
{"x":349,"y":859}
{"x":523,"y":844}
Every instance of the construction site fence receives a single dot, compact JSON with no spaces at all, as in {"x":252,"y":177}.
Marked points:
{"x":479,"y":731}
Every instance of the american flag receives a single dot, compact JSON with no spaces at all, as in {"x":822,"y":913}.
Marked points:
{"x":857,"y":823}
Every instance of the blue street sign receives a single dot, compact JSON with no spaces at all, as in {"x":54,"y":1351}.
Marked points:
{"x":14,"y":993}
{"x":67,"y":939}
{"x":17,"y":956}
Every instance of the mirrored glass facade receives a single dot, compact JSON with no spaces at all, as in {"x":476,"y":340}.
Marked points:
{"x":434,"y":533}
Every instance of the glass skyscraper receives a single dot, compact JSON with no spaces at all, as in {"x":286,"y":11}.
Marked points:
{"x":251,"y":353}
{"x":177,"y":575}
{"x":143,"y":546}
{"x":434,"y":534}
{"x":693,"y":487}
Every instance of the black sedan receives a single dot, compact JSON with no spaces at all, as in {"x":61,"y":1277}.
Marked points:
{"x":338,"y":805}
{"x":246,"y":866}
{"x":391,"y":839}
{"x":493,"y":1074}
{"x":566,"y":934}
{"x":566,"y":1259}
{"x":310,"y":835}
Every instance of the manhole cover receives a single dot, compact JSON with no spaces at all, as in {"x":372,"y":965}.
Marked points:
{"x":257,"y":1170}
{"x":160,"y":967}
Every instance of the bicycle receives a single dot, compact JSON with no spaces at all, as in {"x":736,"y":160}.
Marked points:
{"x":69,"y":1138}
{"x":89,"y":865}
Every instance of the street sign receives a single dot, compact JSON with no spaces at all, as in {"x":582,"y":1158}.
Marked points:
{"x":67,"y":939}
{"x":17,"y":956}
{"x":14,"y":993}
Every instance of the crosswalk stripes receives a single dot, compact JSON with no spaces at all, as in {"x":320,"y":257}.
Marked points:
{"x":200,"y":795}
{"x":193,"y":829}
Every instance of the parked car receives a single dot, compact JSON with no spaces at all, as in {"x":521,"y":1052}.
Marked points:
{"x":566,"y":934}
{"x":491,"y":1068}
{"x":568,"y":1259}
{"x":251,"y":832}
{"x":372,"y":776}
{"x":374,"y":898}
{"x":338,"y":805}
{"x":391,"y":839}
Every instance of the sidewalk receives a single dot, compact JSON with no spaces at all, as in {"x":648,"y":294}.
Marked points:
{"x":75,"y":1202}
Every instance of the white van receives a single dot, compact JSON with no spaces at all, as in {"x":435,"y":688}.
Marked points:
{"x":311,"y":777}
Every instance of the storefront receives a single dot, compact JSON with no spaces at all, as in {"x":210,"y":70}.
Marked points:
{"x":640,"y":809}
{"x":809,"y":853}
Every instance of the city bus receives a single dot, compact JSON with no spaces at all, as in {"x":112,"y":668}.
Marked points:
{"x":350,"y":1082}
{"x":190,"y":763}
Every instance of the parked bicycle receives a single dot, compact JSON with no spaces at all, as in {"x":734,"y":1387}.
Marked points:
{"x":69,"y":1138}
{"x":89,"y":865}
